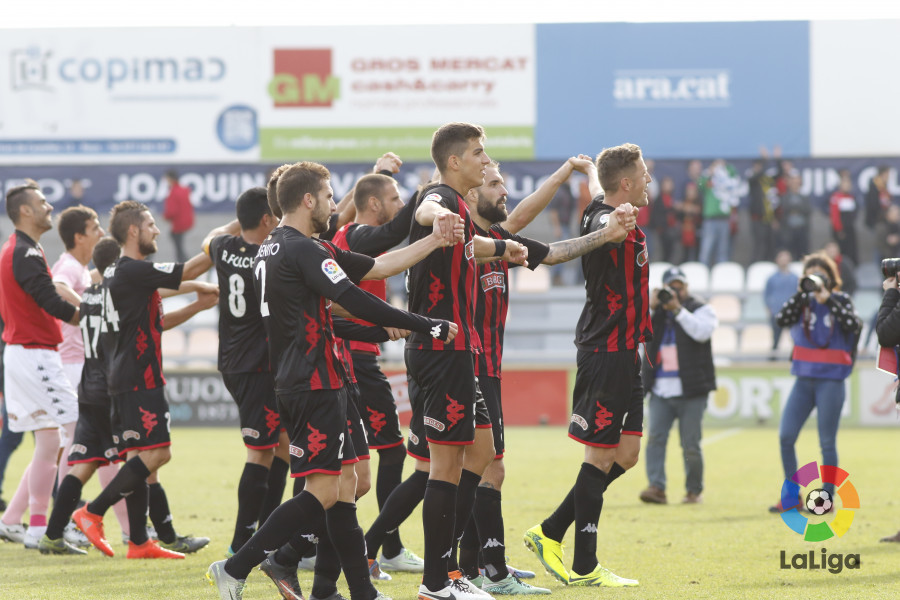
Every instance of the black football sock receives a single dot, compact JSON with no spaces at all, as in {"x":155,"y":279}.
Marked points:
{"x":304,"y":509}
{"x":251,"y":492}
{"x":299,"y":484}
{"x":399,"y":505}
{"x":274,"y":489}
{"x":131,"y":476}
{"x":438,"y":514}
{"x":489,"y":517}
{"x":589,"y":487}
{"x":468,"y":548}
{"x":615,"y":471}
{"x":465,"y":502}
{"x":160,"y":515}
{"x":136,"y":505}
{"x":390,"y":475}
{"x":67,"y":498}
{"x":347,"y":537}
{"x":328,"y":567}
{"x":301,"y":545}
{"x":556,"y":525}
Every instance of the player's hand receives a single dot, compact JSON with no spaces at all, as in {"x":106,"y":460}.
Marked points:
{"x":451,"y":332}
{"x":388,"y":162}
{"x":515,"y":253}
{"x":617,"y":224}
{"x":448,"y":228}
{"x":208,"y":299}
{"x":204,"y":287}
{"x":582,"y":163}
{"x":395,"y":334}
{"x":889,"y":284}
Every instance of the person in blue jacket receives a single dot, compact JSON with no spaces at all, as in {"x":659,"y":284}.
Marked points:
{"x":825,"y":329}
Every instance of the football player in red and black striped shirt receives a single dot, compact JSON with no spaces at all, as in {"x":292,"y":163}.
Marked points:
{"x":607,"y":414}
{"x":297,"y":279}
{"x":487,"y":205}
{"x":454,"y":419}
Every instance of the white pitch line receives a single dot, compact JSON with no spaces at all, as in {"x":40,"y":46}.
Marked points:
{"x":721,"y":436}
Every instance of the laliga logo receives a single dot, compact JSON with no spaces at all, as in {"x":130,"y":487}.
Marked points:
{"x":819,"y":501}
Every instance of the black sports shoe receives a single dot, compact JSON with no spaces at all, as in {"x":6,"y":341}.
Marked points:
{"x":285,"y":578}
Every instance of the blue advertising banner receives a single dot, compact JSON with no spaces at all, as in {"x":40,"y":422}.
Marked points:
{"x":677,"y":89}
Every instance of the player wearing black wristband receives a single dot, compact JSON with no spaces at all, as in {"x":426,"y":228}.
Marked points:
{"x":297,"y":278}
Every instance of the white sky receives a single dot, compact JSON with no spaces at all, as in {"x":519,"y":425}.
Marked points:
{"x":209,"y":13}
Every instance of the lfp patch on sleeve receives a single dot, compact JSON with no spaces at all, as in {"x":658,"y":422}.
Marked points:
{"x":332,"y":270}
{"x":433,"y":198}
{"x":164,"y":267}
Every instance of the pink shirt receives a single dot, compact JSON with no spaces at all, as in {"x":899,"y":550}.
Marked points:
{"x":68,"y":270}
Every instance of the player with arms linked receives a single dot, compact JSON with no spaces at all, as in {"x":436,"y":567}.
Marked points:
{"x":297,"y":279}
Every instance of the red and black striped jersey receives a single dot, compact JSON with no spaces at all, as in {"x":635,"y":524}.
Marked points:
{"x":242,"y":337}
{"x":296,"y":278}
{"x":493,"y":298}
{"x":616,"y":314}
{"x":132,"y":311}
{"x":443,"y":285}
{"x":29,"y":302}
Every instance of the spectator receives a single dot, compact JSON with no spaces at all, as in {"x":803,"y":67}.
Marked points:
{"x":795,"y":217}
{"x":779,"y":288}
{"x":720,"y":190}
{"x":664,"y":221}
{"x":843,"y":216}
{"x":560,"y":213}
{"x":846,"y":267}
{"x":877,"y":200}
{"x":679,"y":382}
{"x":763,"y":202}
{"x":691,"y":211}
{"x":178,"y":211}
{"x":887,"y":233}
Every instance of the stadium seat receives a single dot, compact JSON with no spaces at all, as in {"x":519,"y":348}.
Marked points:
{"x":869,"y":277}
{"x":727,"y":307}
{"x":726,"y":277}
{"x":755,"y":310}
{"x":203,"y":342}
{"x":724,"y":340}
{"x":697,"y":275}
{"x":174,"y":343}
{"x":656,"y":272}
{"x":758,"y":274}
{"x":533,"y":282}
{"x":756,"y":339}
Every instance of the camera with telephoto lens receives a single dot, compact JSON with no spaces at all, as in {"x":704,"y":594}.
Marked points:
{"x":890,"y":267}
{"x":813,"y":283}
{"x":665,"y":294}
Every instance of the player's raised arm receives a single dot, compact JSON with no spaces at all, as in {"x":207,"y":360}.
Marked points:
{"x":613,"y":230}
{"x":525,"y":212}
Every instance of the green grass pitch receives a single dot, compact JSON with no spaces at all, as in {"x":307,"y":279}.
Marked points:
{"x":727,"y":547}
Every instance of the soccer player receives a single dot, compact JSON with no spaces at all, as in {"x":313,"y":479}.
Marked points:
{"x":38,"y":396}
{"x":487,"y":205}
{"x":132,"y":308}
{"x":297,"y":280}
{"x":449,"y":416}
{"x":244,"y":363}
{"x":608,"y":399}
{"x":382,"y":222}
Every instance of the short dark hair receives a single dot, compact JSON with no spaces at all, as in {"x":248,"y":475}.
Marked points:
{"x":613,"y":163}
{"x":74,"y":220}
{"x":122,"y":216}
{"x":451,"y":140}
{"x":367,"y":186}
{"x":105,"y":253}
{"x":272,"y":190}
{"x":251,"y":206}
{"x":172,"y":174}
{"x":17,"y":197}
{"x":298,"y":180}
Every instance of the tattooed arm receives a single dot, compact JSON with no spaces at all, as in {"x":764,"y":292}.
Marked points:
{"x":619,"y":225}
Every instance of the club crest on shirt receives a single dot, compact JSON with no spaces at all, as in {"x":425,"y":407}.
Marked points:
{"x":470,"y":250}
{"x":332,"y":270}
{"x":494,"y":280}
{"x":164,"y":267}
{"x":642,"y":258}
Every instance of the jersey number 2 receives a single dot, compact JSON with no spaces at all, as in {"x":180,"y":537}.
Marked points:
{"x":260,"y":273}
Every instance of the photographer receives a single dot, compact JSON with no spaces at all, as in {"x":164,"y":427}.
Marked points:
{"x":825,"y":330}
{"x":887,"y":326}
{"x":678,"y":371}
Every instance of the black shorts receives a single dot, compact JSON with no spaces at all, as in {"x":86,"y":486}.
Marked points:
{"x":143,"y":419}
{"x":447,"y":405}
{"x":490,"y":389}
{"x":376,"y":403}
{"x":254,"y":394}
{"x":608,"y":400}
{"x":317,"y":425}
{"x":93,"y":440}
{"x":355,"y":426}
